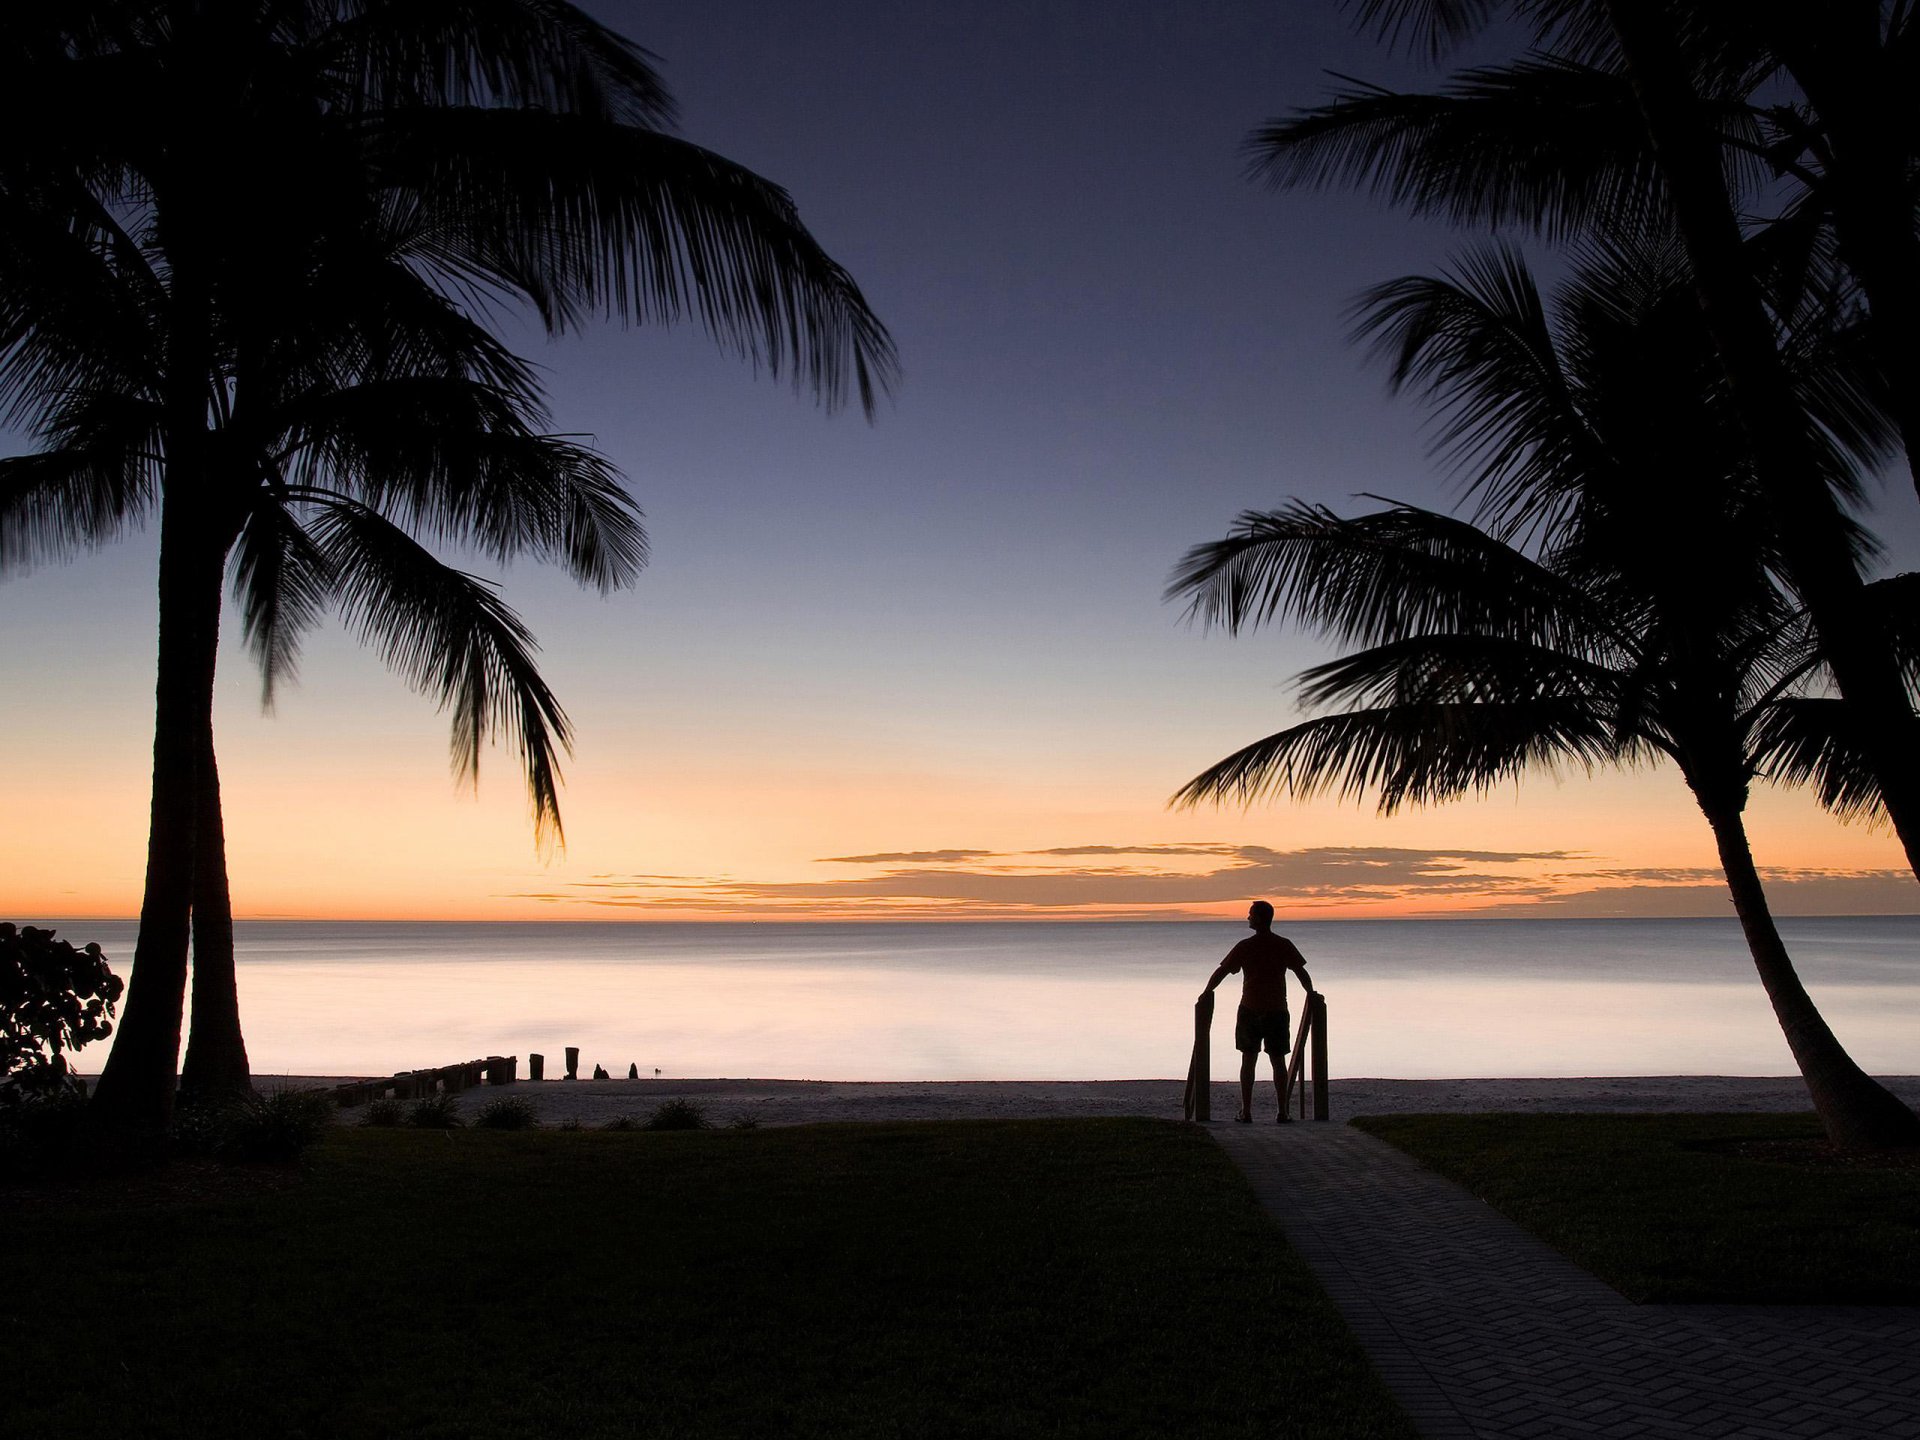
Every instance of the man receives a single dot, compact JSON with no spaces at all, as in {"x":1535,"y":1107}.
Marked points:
{"x":1262,"y":960}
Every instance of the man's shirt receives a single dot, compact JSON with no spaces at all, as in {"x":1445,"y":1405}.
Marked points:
{"x":1261,"y":961}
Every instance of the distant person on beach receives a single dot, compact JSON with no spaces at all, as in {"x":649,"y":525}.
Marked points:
{"x":1262,"y":960}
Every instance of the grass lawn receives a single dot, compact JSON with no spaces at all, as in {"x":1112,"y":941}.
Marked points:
{"x":1685,"y":1207}
{"x":1045,"y":1278}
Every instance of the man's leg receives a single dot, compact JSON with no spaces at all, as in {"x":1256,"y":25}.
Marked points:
{"x":1248,"y":1059}
{"x":1279,"y":1061}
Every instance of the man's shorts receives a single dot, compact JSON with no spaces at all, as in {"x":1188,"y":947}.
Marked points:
{"x":1254,"y":1030}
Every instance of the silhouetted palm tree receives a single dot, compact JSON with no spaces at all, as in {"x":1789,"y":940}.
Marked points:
{"x":1647,"y":624}
{"x":1630,"y":113}
{"x":245,"y":251}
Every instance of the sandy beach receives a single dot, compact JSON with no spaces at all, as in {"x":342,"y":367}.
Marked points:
{"x":806,"y":1102}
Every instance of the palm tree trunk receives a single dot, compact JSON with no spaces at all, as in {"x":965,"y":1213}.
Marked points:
{"x":216,"y":1063}
{"x":1809,"y":522}
{"x":135,"y":1092}
{"x":1859,"y":1113}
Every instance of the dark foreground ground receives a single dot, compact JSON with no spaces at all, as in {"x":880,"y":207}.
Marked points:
{"x":1103,"y":1278}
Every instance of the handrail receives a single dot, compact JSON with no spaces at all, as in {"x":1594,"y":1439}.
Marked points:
{"x":1311,"y":1037}
{"x":1309,"y":1042}
{"x":1297,"y":1062}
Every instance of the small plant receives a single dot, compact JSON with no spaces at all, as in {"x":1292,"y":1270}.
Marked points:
{"x":435,"y":1112}
{"x":507,"y":1112}
{"x":384,"y":1111}
{"x":678,"y":1115}
{"x":624,"y":1122}
{"x":743,"y":1121}
{"x":572,"y":1122}
{"x":279,"y":1125}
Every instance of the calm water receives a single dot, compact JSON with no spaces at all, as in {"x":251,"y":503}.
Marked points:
{"x":1406,"y":999}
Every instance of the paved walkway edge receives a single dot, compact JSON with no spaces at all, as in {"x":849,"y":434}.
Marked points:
{"x":1483,"y":1332}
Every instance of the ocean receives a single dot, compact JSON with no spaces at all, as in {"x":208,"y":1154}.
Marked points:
{"x":1407,"y":999}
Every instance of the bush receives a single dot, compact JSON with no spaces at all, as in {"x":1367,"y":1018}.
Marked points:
{"x":53,"y":998}
{"x":279,"y":1125}
{"x":743,"y":1121}
{"x":384,"y":1111}
{"x":35,"y":1133}
{"x":508,"y":1112}
{"x":572,"y":1122}
{"x":678,"y":1115}
{"x":435,"y":1112}
{"x":624,"y":1122}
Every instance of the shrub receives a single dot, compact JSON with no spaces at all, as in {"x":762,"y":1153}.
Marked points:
{"x":278,"y":1125}
{"x":53,"y":998}
{"x":624,"y":1122}
{"x":435,"y":1112}
{"x":572,"y":1122}
{"x":508,"y":1112}
{"x":35,"y":1133}
{"x":678,"y":1115}
{"x":743,"y":1121}
{"x":384,"y":1111}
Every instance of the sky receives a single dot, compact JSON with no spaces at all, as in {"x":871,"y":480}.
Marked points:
{"x":918,"y":668}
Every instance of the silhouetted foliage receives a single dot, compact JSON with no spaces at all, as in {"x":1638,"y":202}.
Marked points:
{"x":507,"y":1112}
{"x":1778,"y":144}
{"x":54,"y":998}
{"x":678,"y":1115}
{"x":435,"y":1112}
{"x":279,"y":1125}
{"x":386,"y":1111}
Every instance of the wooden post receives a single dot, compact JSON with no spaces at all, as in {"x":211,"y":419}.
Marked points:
{"x":573,"y":1062}
{"x":1198,"y":1104}
{"x":1317,"y":1010}
{"x":536,"y":1066}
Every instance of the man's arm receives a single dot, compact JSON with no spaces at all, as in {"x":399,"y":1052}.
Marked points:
{"x":1220,"y":972}
{"x":1297,"y":963}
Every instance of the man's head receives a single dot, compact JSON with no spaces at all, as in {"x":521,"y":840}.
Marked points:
{"x":1260,"y":916}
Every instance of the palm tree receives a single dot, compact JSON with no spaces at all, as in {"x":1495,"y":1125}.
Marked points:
{"x":1631,"y":112}
{"x":1647,"y":624}
{"x":251,"y":247}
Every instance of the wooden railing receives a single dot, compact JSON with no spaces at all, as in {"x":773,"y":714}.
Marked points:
{"x":1309,"y":1043}
{"x":1310,"y":1038}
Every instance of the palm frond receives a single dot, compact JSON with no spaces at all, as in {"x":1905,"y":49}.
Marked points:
{"x":1408,"y":754}
{"x":284,"y":584}
{"x":1815,"y":740}
{"x":582,"y":217}
{"x":1430,"y":27}
{"x":541,"y":54}
{"x":1462,"y":669}
{"x":1545,"y":144}
{"x":1380,"y":577}
{"x":462,"y":468}
{"x":1477,"y":342}
{"x":452,"y":638}
{"x":56,"y":503}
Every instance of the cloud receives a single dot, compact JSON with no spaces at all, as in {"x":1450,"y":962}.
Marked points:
{"x":908,"y":857}
{"x":982,"y":884}
{"x":1682,"y":893}
{"x":1151,"y":882}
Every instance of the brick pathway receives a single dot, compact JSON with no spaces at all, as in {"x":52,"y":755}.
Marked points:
{"x":1483,"y":1331}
